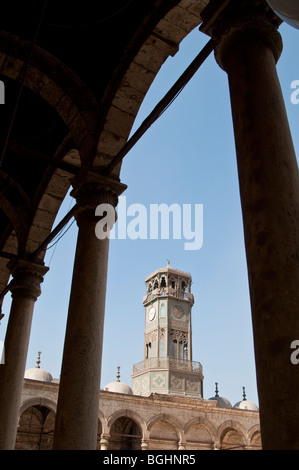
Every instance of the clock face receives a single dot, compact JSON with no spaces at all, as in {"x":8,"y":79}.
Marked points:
{"x":151,"y":314}
{"x":177,"y":311}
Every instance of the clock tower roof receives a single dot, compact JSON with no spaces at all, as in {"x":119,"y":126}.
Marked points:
{"x":167,"y":282}
{"x":168,"y":269}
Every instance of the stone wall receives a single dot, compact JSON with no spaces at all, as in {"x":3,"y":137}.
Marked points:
{"x":130,"y":422}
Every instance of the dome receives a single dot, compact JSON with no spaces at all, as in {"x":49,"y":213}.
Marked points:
{"x":118,"y":387}
{"x":221,"y":402}
{"x":36,"y":373}
{"x":246,"y":404}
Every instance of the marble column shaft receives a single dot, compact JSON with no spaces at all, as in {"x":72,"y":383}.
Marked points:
{"x":25,"y":288}
{"x":78,"y":401}
{"x":248,"y":48}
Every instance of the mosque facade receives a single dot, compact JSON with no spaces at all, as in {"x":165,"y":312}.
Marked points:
{"x":165,"y":408}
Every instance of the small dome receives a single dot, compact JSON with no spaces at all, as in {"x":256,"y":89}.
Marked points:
{"x":36,"y":373}
{"x":221,"y":402}
{"x":246,"y":404}
{"x":118,"y":387}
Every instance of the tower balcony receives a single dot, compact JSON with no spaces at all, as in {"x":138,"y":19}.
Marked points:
{"x":167,"y":363}
{"x":168,"y":291}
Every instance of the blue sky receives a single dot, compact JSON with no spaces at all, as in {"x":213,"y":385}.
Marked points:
{"x":186,"y":157}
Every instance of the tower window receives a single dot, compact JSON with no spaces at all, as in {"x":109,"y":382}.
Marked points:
{"x":185,"y":351}
{"x":174,"y":348}
{"x":148,"y":350}
{"x":163,"y":282}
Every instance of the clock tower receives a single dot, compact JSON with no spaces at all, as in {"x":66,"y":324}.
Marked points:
{"x":167,"y":365}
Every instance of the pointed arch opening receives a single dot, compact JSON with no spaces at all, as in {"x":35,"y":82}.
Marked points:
{"x":36,"y":429}
{"x":125,"y":434}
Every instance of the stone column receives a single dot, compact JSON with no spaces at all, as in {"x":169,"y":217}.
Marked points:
{"x":104,"y":442}
{"x":25,"y":288}
{"x":144,"y":444}
{"x":181,"y":446}
{"x":78,"y":400}
{"x":248,"y":46}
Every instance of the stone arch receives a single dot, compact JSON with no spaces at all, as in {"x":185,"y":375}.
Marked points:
{"x":102,"y":427}
{"x":50,"y":202}
{"x":232,"y":436}
{"x":255,"y":438}
{"x":103,"y":420}
{"x":164,"y":432}
{"x":78,"y":110}
{"x":36,"y":424}
{"x":126,"y":429}
{"x":163,"y":42}
{"x":131,"y":414}
{"x":38,"y":401}
{"x":16,"y":206}
{"x":30,"y":236}
{"x":199,"y":434}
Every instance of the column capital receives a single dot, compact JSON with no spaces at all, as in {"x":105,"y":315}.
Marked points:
{"x":91,"y":189}
{"x":104,"y":441}
{"x":144,"y":444}
{"x":27,"y":277}
{"x":182,"y":446}
{"x":244,"y":22}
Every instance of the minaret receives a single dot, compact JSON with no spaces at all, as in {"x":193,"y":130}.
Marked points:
{"x":167,"y":365}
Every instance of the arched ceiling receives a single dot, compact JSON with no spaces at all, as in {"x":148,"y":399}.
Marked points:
{"x":68,"y":70}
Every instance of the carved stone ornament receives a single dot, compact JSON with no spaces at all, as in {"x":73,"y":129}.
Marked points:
{"x":92,"y":189}
{"x":151,"y":336}
{"x":178,"y":335}
{"x":245,"y":20}
{"x":27,"y":277}
{"x":92,"y":194}
{"x":162,"y":333}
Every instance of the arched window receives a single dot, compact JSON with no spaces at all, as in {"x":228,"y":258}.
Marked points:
{"x":184,"y":286}
{"x":181,"y":350}
{"x":185,"y":351}
{"x":174,"y":348}
{"x":148,"y":350}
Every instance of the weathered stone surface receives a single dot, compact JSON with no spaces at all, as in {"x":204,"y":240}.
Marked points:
{"x":164,"y":422}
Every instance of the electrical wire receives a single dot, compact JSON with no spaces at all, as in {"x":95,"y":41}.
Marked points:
{"x":62,"y":235}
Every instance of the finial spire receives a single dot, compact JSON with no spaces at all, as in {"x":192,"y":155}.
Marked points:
{"x":216,"y":390}
{"x":118,"y":374}
{"x":244,"y":394}
{"x":168,"y":262}
{"x":38,"y":360}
